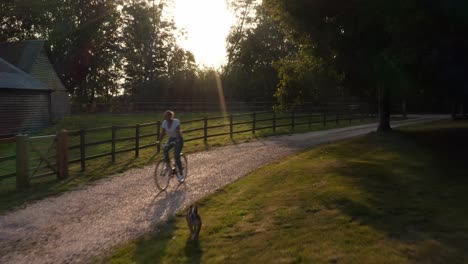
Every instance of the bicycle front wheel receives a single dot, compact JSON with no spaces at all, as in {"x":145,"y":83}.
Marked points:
{"x":162,"y":175}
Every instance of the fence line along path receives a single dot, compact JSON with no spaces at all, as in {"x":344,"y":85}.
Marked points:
{"x":80,"y":225}
{"x":56,"y":158}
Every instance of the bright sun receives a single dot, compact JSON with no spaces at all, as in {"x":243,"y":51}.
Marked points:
{"x":207,"y":24}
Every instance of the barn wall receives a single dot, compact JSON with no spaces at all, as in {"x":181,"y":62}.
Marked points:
{"x":23,"y":110}
{"x":43,"y":71}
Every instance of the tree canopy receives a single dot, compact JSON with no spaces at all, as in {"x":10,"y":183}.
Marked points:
{"x":378,"y":46}
{"x":289,"y":51}
{"x":104,"y":48}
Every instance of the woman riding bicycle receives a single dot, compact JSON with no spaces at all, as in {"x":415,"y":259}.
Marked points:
{"x":171,"y":127}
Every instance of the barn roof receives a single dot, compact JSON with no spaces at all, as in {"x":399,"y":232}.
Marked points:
{"x":22,"y":54}
{"x":13,"y":78}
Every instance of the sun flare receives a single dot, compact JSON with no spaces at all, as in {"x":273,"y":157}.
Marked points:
{"x":206,"y":24}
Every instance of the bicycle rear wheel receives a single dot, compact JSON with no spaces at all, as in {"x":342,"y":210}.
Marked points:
{"x":162,"y":177}
{"x":184,"y":161}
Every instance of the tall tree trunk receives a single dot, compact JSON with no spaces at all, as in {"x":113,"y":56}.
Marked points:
{"x":403,"y":109}
{"x":462,"y":110}
{"x":454,"y":110}
{"x":384,"y":109}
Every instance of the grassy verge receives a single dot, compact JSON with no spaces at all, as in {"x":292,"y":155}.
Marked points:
{"x":393,"y":198}
{"x":99,"y":168}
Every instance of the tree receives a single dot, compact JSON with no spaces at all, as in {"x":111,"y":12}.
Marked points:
{"x":24,"y":19}
{"x":253,"y":54}
{"x":155,"y":67}
{"x":376,"y":44}
{"x":245,"y":14}
{"x":303,"y":77}
{"x":140,"y":41}
{"x":182,"y":74}
{"x":84,"y":43}
{"x":101,"y":48}
{"x":82,"y":40}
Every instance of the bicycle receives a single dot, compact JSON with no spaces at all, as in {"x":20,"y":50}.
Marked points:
{"x":162,"y":177}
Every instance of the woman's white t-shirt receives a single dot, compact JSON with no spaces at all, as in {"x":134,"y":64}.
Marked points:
{"x":171,"y":131}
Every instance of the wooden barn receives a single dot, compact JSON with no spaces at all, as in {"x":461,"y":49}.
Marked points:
{"x":24,"y":101}
{"x":31,"y":93}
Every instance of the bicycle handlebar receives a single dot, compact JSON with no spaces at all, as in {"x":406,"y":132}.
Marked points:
{"x":168,"y":143}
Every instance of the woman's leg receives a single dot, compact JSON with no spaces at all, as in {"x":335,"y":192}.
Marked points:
{"x":177,"y":150}
{"x":166,"y":150}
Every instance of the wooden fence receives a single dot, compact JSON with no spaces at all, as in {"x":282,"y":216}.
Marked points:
{"x":58,"y":161}
{"x":3,"y":159}
{"x":199,"y":106}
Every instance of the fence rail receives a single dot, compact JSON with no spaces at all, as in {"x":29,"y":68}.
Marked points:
{"x":12,"y":157}
{"x":59,"y":161}
{"x":199,"y":106}
{"x":7,"y":140}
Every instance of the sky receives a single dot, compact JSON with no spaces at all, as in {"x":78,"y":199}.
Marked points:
{"x":207,"y":24}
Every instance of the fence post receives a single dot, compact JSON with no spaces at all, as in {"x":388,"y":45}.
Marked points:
{"x":137,"y":140}
{"x":114,"y":130}
{"x":403,"y":110}
{"x":231,"y":128}
{"x":82,"y":150}
{"x":158,"y":134}
{"x":62,"y":154}
{"x":324,"y":117}
{"x":205,"y":129}
{"x":274,"y":122}
{"x":293,"y":117}
{"x":254,"y":121}
{"x":22,"y":161}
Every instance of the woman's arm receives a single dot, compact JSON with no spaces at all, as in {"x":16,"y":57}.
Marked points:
{"x":179,"y":134}
{"x":162,"y":135}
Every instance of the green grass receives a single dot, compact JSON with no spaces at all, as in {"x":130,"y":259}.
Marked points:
{"x":397,"y":197}
{"x":100,"y":168}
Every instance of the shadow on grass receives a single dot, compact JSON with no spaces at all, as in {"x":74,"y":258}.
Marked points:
{"x":150,"y":250}
{"x":193,"y":251}
{"x":417,"y":188}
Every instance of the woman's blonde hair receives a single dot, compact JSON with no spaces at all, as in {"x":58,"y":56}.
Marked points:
{"x":170,"y":112}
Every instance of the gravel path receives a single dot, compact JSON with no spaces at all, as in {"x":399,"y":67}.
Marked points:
{"x":78,"y":225}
